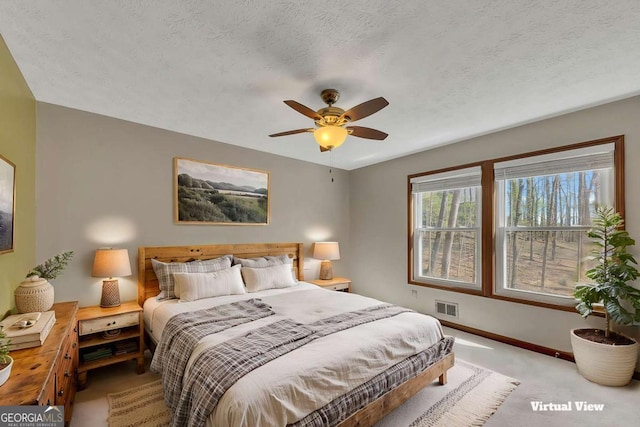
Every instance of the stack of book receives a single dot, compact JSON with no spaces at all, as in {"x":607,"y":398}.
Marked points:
{"x":28,"y":329}
{"x":124,"y":347}
{"x":97,"y":354}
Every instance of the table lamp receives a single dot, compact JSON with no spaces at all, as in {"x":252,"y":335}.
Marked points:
{"x":109,"y":262}
{"x":326,"y":251}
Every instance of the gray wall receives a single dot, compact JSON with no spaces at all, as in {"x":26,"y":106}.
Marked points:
{"x":378,"y":266}
{"x":107,"y":182}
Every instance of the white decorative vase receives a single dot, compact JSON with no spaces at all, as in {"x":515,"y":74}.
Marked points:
{"x":604,"y":364}
{"x":6,"y":371}
{"x":34,"y":294}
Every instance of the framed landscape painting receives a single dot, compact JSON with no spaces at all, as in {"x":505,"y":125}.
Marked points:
{"x":208,"y":193}
{"x":7,"y":204}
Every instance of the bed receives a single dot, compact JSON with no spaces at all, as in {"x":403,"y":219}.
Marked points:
{"x":347,"y":376}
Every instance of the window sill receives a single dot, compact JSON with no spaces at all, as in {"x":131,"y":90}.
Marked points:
{"x":458,"y":289}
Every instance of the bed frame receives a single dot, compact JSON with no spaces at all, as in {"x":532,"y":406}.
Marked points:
{"x":148,"y":287}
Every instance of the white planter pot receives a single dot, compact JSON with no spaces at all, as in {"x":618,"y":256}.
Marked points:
{"x":34,"y":294}
{"x":5,"y":372}
{"x":605,"y":364}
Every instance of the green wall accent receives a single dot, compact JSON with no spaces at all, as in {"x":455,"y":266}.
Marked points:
{"x":18,"y":144}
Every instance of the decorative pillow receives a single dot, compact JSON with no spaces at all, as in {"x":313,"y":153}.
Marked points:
{"x":263,"y":261}
{"x":164,"y":272}
{"x":258,"y":279}
{"x":194,"y":286}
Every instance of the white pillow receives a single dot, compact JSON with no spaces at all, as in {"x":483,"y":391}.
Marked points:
{"x":277,"y":276}
{"x":195,"y":286}
{"x":164,"y":272}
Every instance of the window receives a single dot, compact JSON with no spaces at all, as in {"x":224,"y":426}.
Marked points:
{"x":544,"y":206}
{"x":513,"y":228}
{"x":447,"y":228}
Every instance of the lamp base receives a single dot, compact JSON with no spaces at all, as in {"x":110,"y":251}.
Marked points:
{"x":110,"y":293}
{"x":326,"y":271}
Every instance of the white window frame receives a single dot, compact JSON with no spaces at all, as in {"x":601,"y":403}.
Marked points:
{"x":469,"y":177}
{"x":572,"y":160}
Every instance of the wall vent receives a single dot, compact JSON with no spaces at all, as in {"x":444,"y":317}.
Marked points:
{"x":449,"y":309}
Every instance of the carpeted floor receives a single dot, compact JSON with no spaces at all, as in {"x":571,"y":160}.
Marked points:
{"x":470,"y":396}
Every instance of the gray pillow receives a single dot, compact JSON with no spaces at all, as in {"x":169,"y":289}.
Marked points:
{"x":263,"y":261}
{"x":164,"y":272}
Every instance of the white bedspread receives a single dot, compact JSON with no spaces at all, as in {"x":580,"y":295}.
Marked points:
{"x":296,"y":384}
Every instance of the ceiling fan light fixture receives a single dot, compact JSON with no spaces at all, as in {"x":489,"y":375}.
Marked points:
{"x":330,"y":136}
{"x":333,"y":124}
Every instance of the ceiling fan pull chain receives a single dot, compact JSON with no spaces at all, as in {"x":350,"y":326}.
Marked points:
{"x":331,"y":164}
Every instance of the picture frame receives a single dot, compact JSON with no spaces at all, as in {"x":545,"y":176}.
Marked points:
{"x":7,"y":204}
{"x":217,"y":194}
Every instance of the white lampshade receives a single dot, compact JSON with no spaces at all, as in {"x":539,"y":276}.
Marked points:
{"x":326,"y":251}
{"x":330,"y":136}
{"x":111,"y":263}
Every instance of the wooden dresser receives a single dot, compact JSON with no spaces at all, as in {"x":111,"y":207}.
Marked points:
{"x":46,"y":375}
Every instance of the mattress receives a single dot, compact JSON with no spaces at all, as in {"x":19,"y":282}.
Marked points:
{"x":296,"y":384}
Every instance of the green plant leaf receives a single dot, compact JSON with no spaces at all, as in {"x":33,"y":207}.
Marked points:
{"x":615,"y":267}
{"x":52,"y":267}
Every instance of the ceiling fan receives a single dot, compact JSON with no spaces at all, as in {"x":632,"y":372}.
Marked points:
{"x":330,"y":131}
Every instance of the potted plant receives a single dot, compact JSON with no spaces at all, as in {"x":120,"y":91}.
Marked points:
{"x":36,"y":293}
{"x":604,"y":356}
{"x":6,"y":362}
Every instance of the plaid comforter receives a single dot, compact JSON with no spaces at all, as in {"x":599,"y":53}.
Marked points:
{"x":219,"y":367}
{"x":185,"y":330}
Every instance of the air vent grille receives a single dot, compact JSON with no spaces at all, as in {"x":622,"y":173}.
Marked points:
{"x":449,"y":309}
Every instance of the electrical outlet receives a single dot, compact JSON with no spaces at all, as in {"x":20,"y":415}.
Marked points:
{"x":414,"y":293}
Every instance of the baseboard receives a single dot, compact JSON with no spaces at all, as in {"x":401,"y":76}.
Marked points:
{"x":565,"y":355}
{"x":511,"y":341}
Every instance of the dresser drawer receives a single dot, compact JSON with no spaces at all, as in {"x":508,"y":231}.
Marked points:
{"x":91,"y":326}
{"x":338,"y":287}
{"x":335,"y":284}
{"x":64,"y":379}
{"x":72,"y":344}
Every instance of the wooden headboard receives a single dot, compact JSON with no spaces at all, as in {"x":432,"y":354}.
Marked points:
{"x":148,"y":282}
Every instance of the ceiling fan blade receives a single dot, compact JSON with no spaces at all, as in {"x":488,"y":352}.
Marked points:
{"x":292,"y":132}
{"x":365,"y":109}
{"x":368,"y":133}
{"x":303,"y":110}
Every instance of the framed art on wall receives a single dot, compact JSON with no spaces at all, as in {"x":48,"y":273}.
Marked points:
{"x":7,"y":204}
{"x":209,"y":193}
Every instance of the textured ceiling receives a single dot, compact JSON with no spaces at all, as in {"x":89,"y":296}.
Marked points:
{"x":220,"y":69}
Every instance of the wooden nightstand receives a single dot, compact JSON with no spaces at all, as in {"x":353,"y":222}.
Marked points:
{"x":109,"y":335}
{"x":335,"y":284}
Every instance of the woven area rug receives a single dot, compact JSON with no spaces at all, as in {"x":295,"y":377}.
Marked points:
{"x":141,"y":406}
{"x":472,"y":394}
{"x":470,"y":403}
